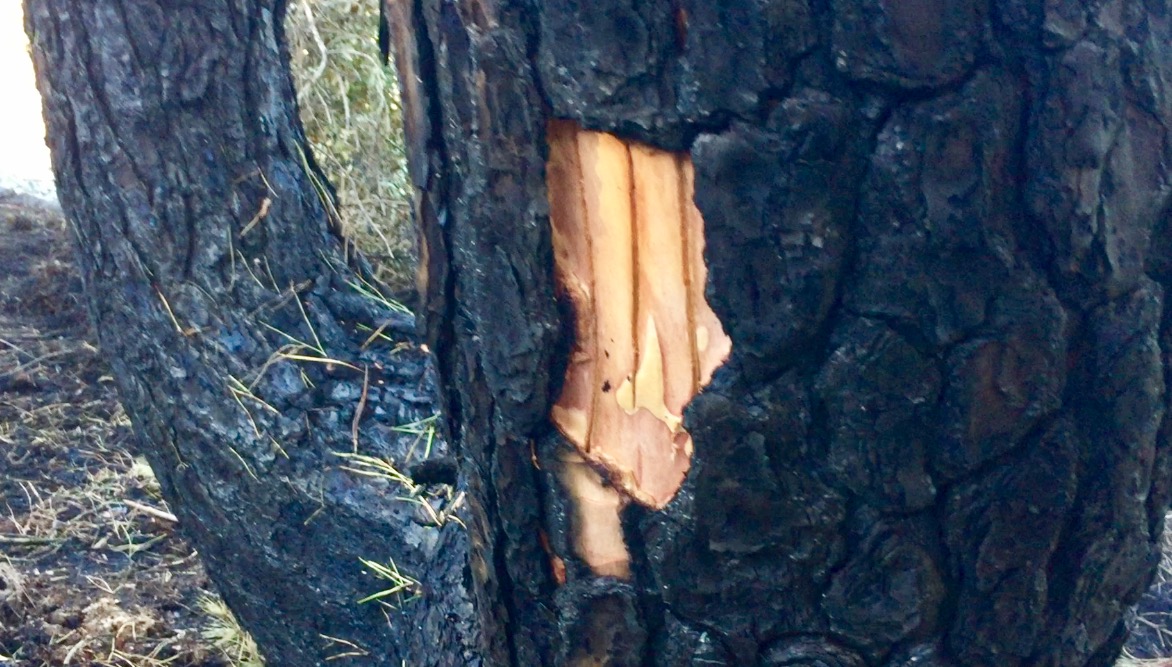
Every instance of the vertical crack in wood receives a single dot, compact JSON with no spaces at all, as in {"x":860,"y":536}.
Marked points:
{"x":713,"y":346}
{"x":628,"y":247}
{"x":684,"y":197}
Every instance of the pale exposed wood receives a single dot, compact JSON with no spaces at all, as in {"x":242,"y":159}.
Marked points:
{"x":606,"y":186}
{"x":628,"y":243}
{"x":712,"y":344}
{"x":597,"y":530}
{"x":664,"y":380}
{"x":572,"y":263}
{"x":663,"y":290}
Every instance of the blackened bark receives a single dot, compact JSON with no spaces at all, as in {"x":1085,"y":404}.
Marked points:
{"x":240,"y":334}
{"x":937,"y":235}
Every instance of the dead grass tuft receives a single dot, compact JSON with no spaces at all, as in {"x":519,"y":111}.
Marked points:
{"x":350,"y":108}
{"x":225,"y":633}
{"x":1152,"y":625}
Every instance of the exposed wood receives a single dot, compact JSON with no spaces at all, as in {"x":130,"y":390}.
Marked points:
{"x":665,"y":378}
{"x":713,"y":346}
{"x":573,"y":264}
{"x":598,"y":532}
{"x":627,"y":243}
{"x":610,"y":226}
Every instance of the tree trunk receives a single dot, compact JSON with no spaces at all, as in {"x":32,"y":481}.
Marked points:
{"x":242,"y":331}
{"x":911,"y":256}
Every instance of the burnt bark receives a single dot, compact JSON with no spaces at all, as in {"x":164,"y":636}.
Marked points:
{"x":239,"y":327}
{"x":937,"y":234}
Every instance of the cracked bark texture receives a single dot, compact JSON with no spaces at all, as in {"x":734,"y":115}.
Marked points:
{"x":238,"y":330}
{"x":937,"y":232}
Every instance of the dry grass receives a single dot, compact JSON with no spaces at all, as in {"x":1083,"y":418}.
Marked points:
{"x":1127,"y":661}
{"x":91,"y":570}
{"x":225,"y":633}
{"x":350,"y":108}
{"x":1156,"y":625}
{"x":94,"y":511}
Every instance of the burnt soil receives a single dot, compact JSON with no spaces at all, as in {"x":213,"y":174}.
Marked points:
{"x":92,"y":571}
{"x":92,"y":568}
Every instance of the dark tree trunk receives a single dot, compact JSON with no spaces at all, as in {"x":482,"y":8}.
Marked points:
{"x":936,"y":233}
{"x":239,"y":328}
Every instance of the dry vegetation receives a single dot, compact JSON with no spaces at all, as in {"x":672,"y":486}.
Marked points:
{"x":1151,"y":641}
{"x":350,"y":107}
{"x":92,"y":570}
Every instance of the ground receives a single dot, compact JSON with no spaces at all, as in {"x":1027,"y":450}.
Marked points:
{"x":92,"y":568}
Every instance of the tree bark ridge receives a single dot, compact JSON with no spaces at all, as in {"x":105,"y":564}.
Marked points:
{"x":237,"y":325}
{"x":922,"y":227}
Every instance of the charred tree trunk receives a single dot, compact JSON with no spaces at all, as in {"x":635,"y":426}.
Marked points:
{"x":770,"y":332}
{"x":935,"y":235}
{"x":267,"y":377}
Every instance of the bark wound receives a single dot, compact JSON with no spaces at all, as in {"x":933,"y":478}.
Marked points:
{"x":628,"y":244}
